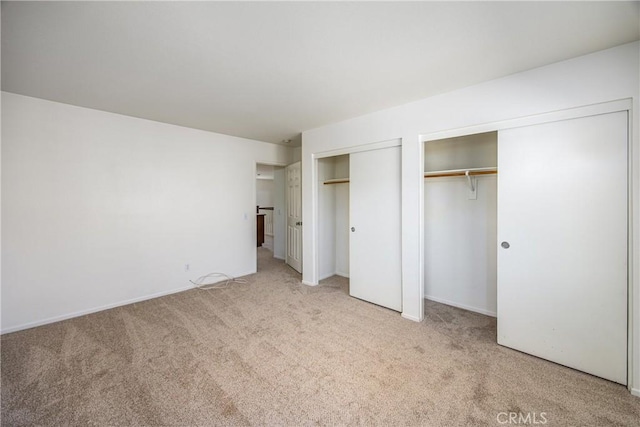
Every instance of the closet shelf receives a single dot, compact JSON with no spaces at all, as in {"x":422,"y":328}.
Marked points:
{"x":336,"y":181}
{"x":461,"y":172}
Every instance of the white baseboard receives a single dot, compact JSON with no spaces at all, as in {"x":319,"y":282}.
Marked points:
{"x":337,"y":273}
{"x":463,"y":306}
{"x":635,"y":392}
{"x":326,"y":276}
{"x":304,"y":282}
{"x":409,"y":317}
{"x":91,"y":310}
{"x":245,"y":274}
{"x":279,"y":257}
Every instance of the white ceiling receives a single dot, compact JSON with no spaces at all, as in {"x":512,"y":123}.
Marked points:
{"x":270,"y":70}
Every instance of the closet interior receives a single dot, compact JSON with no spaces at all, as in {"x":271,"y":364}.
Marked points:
{"x":333,"y":221}
{"x":460,"y":222}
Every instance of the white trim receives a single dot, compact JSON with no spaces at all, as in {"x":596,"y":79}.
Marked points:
{"x":326,"y":276}
{"x":395,"y":142}
{"x":421,"y":246}
{"x":342,"y":274}
{"x":245,"y":274}
{"x":409,"y":317}
{"x":247,"y":215}
{"x":315,"y":227}
{"x":93,"y":310}
{"x":336,"y":273}
{"x":553,"y":116}
{"x":630,"y":251}
{"x":635,"y":392}
{"x":462,"y":306}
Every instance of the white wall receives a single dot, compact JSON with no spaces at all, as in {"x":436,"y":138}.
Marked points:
{"x":296,"y":154}
{"x":460,"y":256}
{"x":472,"y":151}
{"x":265,"y":192}
{"x":604,"y":76}
{"x":264,"y":171}
{"x":100,"y":209}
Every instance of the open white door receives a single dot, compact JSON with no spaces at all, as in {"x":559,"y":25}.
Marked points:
{"x":375,"y":273}
{"x":562,"y":231}
{"x":294,"y":217}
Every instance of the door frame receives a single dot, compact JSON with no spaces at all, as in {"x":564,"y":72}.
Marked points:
{"x":633,"y":311}
{"x":255,"y":200}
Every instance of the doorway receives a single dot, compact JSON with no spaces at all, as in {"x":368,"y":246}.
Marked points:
{"x":270,"y":212}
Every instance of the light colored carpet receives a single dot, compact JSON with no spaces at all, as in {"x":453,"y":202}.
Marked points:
{"x":275,"y":352}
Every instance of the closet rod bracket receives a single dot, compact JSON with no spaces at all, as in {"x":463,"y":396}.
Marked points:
{"x":473,"y":186}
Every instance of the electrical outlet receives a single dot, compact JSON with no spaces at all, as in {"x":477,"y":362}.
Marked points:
{"x":186,"y":267}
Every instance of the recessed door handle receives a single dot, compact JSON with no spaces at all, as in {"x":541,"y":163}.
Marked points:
{"x":505,"y":245}
{"x":353,"y":229}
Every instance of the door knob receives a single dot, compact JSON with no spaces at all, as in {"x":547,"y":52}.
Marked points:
{"x":505,"y":245}
{"x":353,"y":229}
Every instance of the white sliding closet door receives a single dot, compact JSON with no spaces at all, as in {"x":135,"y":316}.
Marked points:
{"x":562,"y":231}
{"x":375,"y":245}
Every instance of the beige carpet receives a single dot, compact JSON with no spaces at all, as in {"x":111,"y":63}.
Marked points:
{"x":275,"y":352}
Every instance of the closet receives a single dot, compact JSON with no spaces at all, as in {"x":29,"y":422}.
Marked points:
{"x":542,"y":243}
{"x":359,"y":199}
{"x":333,"y":224}
{"x":460,"y":222}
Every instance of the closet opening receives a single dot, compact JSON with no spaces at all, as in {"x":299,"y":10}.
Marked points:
{"x":270,"y":214}
{"x":460,"y":222}
{"x":333,"y":221}
{"x":359,"y":223}
{"x":545,"y":247}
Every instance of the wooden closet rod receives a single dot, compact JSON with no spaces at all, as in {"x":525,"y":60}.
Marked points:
{"x":434,"y":174}
{"x":458,"y":173}
{"x":336,"y":181}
